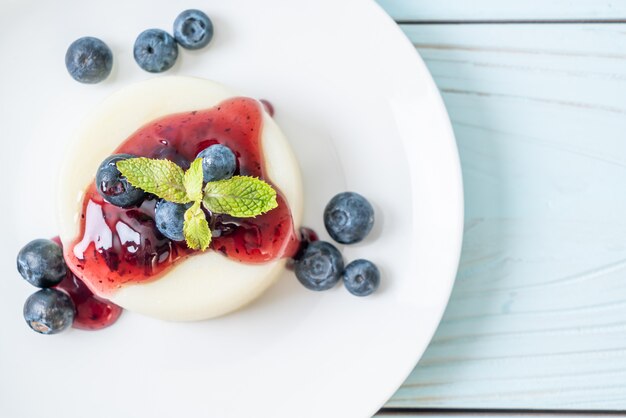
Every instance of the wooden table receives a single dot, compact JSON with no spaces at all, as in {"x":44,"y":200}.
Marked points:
{"x":536,"y":91}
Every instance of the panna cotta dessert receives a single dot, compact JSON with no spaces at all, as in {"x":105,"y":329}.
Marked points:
{"x":120,"y":254}
{"x":181,"y":200}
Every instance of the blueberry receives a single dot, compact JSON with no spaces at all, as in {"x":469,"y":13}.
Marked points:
{"x":193,"y":29}
{"x":320,"y":266}
{"x":218,"y":162}
{"x":155,"y":50}
{"x":169,"y":218}
{"x":171,"y":154}
{"x":113,"y":187}
{"x":41,"y":263}
{"x":49,"y":311}
{"x":348,"y":217}
{"x":361,"y":277}
{"x":89,"y":60}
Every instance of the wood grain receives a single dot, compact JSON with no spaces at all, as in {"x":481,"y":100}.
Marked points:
{"x":537,"y":318}
{"x":494,"y":10}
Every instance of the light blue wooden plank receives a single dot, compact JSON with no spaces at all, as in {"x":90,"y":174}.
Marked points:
{"x":482,"y":414}
{"x":537,"y":318}
{"x":416,"y":10}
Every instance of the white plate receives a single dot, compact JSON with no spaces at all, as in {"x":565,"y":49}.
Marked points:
{"x":362,"y":113}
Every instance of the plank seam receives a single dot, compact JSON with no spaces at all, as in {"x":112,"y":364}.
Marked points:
{"x":510,"y":21}
{"x":498,"y":411}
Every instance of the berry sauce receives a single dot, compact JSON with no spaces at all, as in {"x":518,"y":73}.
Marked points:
{"x":268,"y":106}
{"x":119,"y":246}
{"x":307,"y":236}
{"x":92,"y":312}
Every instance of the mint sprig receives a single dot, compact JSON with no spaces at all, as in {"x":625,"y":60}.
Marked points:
{"x":239,"y":196}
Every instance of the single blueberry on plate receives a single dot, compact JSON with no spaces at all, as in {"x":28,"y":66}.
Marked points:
{"x":193,"y":29}
{"x":89,"y":60}
{"x":113,"y":187}
{"x":320,"y":266}
{"x":348,"y":217}
{"x":49,"y":311}
{"x":41,"y":263}
{"x":170,"y":218}
{"x":155,"y":50}
{"x":361,"y":277}
{"x":218,"y":162}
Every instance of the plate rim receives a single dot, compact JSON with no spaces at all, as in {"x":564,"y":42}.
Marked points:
{"x":459,"y":192}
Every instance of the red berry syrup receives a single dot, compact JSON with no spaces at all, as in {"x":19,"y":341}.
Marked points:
{"x":92,"y":312}
{"x":119,"y":246}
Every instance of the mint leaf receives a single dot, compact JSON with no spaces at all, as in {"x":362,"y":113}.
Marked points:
{"x":160,"y":177}
{"x":196,"y":228}
{"x":239,"y":196}
{"x":193,"y":180}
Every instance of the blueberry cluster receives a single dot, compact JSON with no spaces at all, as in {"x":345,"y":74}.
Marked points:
{"x":49,"y":310}
{"x":218,"y":163}
{"x":348,"y":218}
{"x":89,"y":60}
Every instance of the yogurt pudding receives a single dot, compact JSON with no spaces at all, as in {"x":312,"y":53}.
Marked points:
{"x":119,"y":254}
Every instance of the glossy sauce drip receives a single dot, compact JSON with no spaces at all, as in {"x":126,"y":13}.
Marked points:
{"x":92,"y":312}
{"x":307,"y":236}
{"x":118,"y":246}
